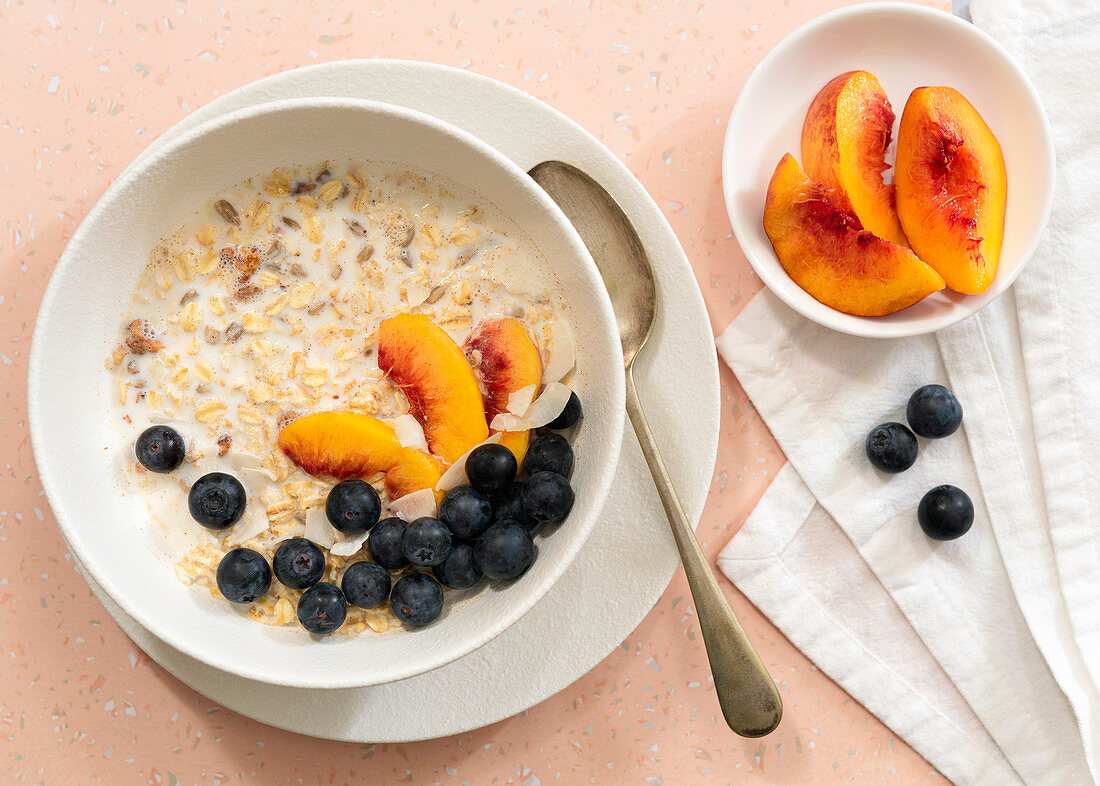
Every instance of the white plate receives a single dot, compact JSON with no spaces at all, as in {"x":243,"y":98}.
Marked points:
{"x":630,"y":556}
{"x":905,"y":46}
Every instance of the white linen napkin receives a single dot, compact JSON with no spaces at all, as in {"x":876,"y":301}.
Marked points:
{"x":980,"y":652}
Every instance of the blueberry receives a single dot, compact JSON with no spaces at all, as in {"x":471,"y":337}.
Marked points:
{"x":466,"y":511}
{"x":569,"y":416}
{"x":549,"y":453}
{"x":945,"y":513}
{"x":934,"y":412}
{"x":322,"y":608}
{"x":216,"y":500}
{"x":891,"y":447}
{"x":460,"y":570}
{"x":426,"y":542}
{"x":298,"y":563}
{"x":547,"y":497}
{"x":384,"y":543}
{"x":505,"y":551}
{"x":490,"y":468}
{"x":353,"y":506}
{"x":366,"y":585}
{"x":508,"y":505}
{"x":160,"y":449}
{"x":243,"y":575}
{"x":416,"y":599}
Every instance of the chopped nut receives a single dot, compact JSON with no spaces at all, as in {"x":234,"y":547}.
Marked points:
{"x":297,"y":270}
{"x":132,"y":367}
{"x":246,"y":261}
{"x":142,"y":338}
{"x":212,"y":335}
{"x":316,"y":308}
{"x":246,"y":292}
{"x":336,"y":271}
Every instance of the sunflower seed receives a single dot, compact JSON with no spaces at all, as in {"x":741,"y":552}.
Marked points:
{"x":188,"y":296}
{"x":233,"y":332}
{"x":356,"y":227}
{"x":365,"y":253}
{"x":438,"y":291}
{"x":290,"y":222}
{"x":227,"y":211}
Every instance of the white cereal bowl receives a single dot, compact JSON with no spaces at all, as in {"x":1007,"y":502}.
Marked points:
{"x":79,"y":321}
{"x":905,"y":46}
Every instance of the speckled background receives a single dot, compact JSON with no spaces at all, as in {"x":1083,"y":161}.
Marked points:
{"x":88,"y":84}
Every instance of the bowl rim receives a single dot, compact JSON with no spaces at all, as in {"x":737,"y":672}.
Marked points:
{"x":779,"y":283}
{"x":55,"y":487}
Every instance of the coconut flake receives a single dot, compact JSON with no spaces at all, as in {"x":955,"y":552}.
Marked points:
{"x":506,"y":421}
{"x":256,"y":524}
{"x":415,"y":505}
{"x":416,"y":293}
{"x":318,"y":529}
{"x":456,"y":473}
{"x":548,"y":405}
{"x":349,"y":545}
{"x":410,"y":433}
{"x":520,"y":400}
{"x":562,"y":352}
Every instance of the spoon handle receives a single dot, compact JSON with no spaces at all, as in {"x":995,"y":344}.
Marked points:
{"x":749,"y":699}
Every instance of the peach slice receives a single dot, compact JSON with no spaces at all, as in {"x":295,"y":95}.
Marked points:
{"x":507,"y":360}
{"x":351,"y":445}
{"x":952,"y":187}
{"x":827,"y":252}
{"x":844,"y":140}
{"x":437,"y":379}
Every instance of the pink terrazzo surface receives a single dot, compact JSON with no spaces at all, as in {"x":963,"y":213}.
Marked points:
{"x":86,"y":86}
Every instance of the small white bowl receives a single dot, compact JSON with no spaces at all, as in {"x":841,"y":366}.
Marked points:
{"x":905,"y":46}
{"x":78,"y":326}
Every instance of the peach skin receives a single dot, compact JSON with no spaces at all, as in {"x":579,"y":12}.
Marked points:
{"x":432,"y":370}
{"x":951,"y":187}
{"x":826,"y":251}
{"x":351,"y":445}
{"x":507,"y":360}
{"x":844,"y":140}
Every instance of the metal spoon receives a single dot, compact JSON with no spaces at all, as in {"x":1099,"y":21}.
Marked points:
{"x":749,"y":699}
